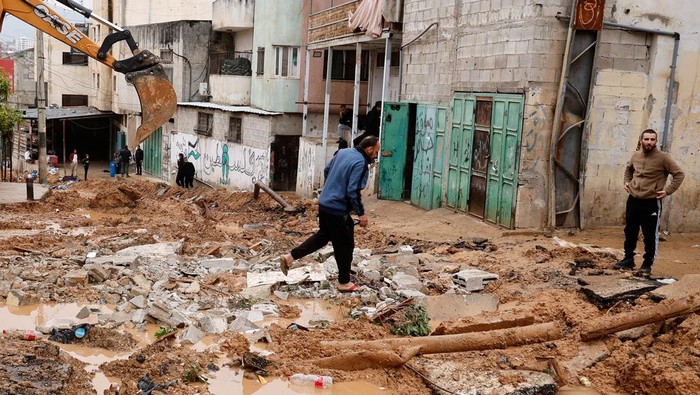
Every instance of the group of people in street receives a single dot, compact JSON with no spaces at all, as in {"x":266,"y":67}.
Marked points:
{"x":372,"y":121}
{"x":122,"y":160}
{"x":74,"y":159}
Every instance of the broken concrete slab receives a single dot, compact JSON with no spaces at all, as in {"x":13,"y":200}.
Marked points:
{"x":193,"y":288}
{"x":605,"y":291}
{"x":116,"y":260}
{"x":78,"y":277}
{"x":139,"y":301}
{"x":242,"y":324}
{"x":212,"y":324}
{"x":17,"y":297}
{"x":259,"y":292}
{"x":473,"y":279}
{"x":688,"y":285}
{"x":221,"y":265}
{"x":138,"y":316}
{"x":191,"y":335}
{"x":405,"y":249}
{"x":461,"y":378}
{"x":267,"y":309}
{"x":589,"y":354}
{"x":83,"y":313}
{"x":142,"y":282}
{"x":323,"y":254}
{"x":312,"y":273}
{"x":97,"y":273}
{"x":453,"y":307}
{"x":402,"y":282}
{"x":157,"y":250}
{"x":257,"y":335}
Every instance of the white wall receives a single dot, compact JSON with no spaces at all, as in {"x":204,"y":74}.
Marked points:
{"x":222,"y":163}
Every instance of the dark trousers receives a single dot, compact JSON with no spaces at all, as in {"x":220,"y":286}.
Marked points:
{"x":644,"y":214}
{"x":86,"y":170}
{"x":138,"y":167}
{"x":125,"y":168}
{"x":340,"y":231}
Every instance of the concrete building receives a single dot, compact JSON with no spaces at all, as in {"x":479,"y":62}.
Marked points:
{"x":493,"y":72}
{"x":23,"y":43}
{"x":24,"y":81}
{"x":68,"y":78}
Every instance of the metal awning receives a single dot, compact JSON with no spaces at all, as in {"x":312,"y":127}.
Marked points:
{"x":66,"y":113}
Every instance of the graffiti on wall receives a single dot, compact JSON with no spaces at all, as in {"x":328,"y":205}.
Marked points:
{"x":423,"y":154}
{"x":221,"y":162}
{"x":306,"y":168}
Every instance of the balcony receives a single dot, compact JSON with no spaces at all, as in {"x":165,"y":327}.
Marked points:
{"x":232,"y":15}
{"x":331,"y":23}
{"x":232,"y":90}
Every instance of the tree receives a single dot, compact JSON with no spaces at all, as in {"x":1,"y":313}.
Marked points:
{"x":8,"y":119}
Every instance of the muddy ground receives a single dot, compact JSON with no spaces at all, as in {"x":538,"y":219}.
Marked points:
{"x":536,"y":278}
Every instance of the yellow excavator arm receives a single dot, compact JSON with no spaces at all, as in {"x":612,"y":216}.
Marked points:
{"x":143,"y":70}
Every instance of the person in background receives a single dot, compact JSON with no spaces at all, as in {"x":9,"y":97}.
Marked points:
{"x":125,"y":157}
{"x":188,"y":173}
{"x":371,"y":123}
{"x":138,"y":157}
{"x":342,"y":144}
{"x":86,"y":165}
{"x":74,"y":163}
{"x":345,"y":121}
{"x":180,"y":176}
{"x":646,"y":181}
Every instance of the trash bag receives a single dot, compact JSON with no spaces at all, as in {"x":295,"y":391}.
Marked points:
{"x":237,"y":66}
{"x":68,"y":335}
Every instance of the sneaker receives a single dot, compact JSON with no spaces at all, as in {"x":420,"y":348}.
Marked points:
{"x":625,"y":264}
{"x":644,"y":270}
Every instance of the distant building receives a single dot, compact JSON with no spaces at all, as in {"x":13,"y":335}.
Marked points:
{"x":22,"y":43}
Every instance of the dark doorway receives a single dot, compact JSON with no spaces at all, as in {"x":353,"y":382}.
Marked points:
{"x":481,"y":154}
{"x":283,"y":169}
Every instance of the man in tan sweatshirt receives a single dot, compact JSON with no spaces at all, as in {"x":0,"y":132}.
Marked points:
{"x":646,"y":177}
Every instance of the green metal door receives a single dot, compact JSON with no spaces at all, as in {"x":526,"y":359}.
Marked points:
{"x":393,"y":155}
{"x":426,"y":184}
{"x":152,"y":153}
{"x":424,"y":154}
{"x":459,"y":161}
{"x":503,"y":165}
{"x":439,"y":163}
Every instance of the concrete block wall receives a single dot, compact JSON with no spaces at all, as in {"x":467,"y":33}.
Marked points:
{"x":616,"y":118}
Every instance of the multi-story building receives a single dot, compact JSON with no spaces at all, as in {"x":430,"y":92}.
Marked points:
{"x":23,"y":43}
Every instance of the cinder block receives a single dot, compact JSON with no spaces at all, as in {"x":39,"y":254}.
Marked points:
{"x":632,"y":79}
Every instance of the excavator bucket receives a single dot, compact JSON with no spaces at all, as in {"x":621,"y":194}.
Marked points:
{"x":157,"y":97}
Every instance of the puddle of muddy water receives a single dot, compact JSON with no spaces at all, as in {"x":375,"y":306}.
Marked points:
{"x":575,"y":390}
{"x":226,"y":381}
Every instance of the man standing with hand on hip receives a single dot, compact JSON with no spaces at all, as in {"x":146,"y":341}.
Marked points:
{"x":646,"y":175}
{"x":346,"y":177}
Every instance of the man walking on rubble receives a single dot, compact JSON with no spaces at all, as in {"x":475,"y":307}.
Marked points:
{"x":645,"y":181}
{"x":346,"y":177}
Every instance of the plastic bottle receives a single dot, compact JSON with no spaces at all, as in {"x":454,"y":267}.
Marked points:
{"x":317,"y":381}
{"x":22,"y":335}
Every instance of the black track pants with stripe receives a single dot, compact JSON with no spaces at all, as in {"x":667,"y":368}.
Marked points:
{"x":644,"y":214}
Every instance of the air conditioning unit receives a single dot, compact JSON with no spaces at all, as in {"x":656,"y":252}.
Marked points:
{"x":203,"y":89}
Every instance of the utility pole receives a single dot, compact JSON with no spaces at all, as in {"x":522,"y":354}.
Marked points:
{"x":41,"y":105}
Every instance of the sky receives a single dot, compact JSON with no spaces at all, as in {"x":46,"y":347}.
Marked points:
{"x":13,"y":27}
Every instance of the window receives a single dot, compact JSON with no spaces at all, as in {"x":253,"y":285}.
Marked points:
{"x":74,"y":100}
{"x":234,"y":130}
{"x":394,"y":59}
{"x":166,"y":55}
{"x":261,"y":61}
{"x":75,"y":59}
{"x":343,"y":65}
{"x":286,"y":61}
{"x":204,"y":123}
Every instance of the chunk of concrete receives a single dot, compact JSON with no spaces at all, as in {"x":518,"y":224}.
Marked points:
{"x":588,"y":355}
{"x":688,"y":285}
{"x":78,"y":277}
{"x":159,"y":314}
{"x":267,"y":309}
{"x":405,"y":249}
{"x":157,"y":250}
{"x":402,"y":281}
{"x":126,"y":260}
{"x":20,"y":298}
{"x":193,"y":288}
{"x":605,"y":291}
{"x":259,"y":292}
{"x":221,"y":265}
{"x":138,"y":301}
{"x":282,"y":295}
{"x":83,"y":313}
{"x":191,"y":335}
{"x":461,"y":377}
{"x":97,"y":273}
{"x":212,"y":324}
{"x":323,"y":254}
{"x":142,"y":282}
{"x":138,"y":316}
{"x":473,"y":279}
{"x":242,"y":324}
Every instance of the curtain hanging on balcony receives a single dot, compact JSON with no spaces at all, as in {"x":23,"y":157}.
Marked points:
{"x":392,"y":10}
{"x":368,"y":18}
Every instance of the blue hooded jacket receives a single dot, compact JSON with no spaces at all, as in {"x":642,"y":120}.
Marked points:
{"x":346,"y":177}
